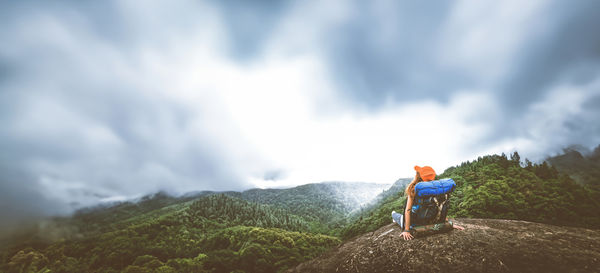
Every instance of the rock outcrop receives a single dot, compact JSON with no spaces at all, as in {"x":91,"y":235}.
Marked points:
{"x":485,"y":245}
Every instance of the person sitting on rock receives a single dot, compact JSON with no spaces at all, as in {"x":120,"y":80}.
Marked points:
{"x":422,"y":174}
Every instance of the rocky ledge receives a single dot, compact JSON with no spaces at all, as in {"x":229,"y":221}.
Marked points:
{"x":486,"y":245}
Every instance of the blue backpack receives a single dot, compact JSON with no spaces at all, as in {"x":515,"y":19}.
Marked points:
{"x":431,"y":202}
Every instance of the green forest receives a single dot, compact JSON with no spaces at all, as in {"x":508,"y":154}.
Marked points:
{"x":274,"y":229}
{"x":215,"y":233}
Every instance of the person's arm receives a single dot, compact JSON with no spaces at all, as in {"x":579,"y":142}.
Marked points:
{"x":407,"y":213}
{"x":405,"y":234}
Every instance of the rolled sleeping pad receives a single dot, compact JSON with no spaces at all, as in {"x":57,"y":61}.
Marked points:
{"x":435,"y":187}
{"x":421,"y":231}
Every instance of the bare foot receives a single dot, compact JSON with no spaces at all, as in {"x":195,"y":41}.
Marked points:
{"x":458,"y":227}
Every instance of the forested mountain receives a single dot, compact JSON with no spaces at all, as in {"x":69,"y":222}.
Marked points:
{"x":498,"y":187}
{"x":324,"y":205}
{"x":255,"y":231}
{"x":226,"y":211}
{"x":115,"y":216}
{"x":271,"y":230}
{"x":378,"y":213}
{"x":342,"y":196}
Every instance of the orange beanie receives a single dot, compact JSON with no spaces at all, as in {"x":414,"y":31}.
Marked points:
{"x":426,"y":172}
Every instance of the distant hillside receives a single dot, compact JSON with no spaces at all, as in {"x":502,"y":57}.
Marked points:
{"x":585,"y":169}
{"x":377,"y":214}
{"x":253,"y":231}
{"x":118,"y":215}
{"x":326,"y":205}
{"x":397,"y":188}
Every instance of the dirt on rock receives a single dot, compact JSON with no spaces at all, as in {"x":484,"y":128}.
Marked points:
{"x":485,"y":245}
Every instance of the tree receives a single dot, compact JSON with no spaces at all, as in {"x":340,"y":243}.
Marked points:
{"x":515,"y":157}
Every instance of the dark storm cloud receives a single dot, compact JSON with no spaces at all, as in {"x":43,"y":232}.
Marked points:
{"x":373,"y":66}
{"x":107,"y":140}
{"x":81,"y":120}
{"x":563,"y":49}
{"x":566,"y":49}
{"x":392,"y":54}
{"x":386,"y":53}
{"x":250,"y":24}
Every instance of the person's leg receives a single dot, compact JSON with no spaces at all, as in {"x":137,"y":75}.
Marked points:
{"x":402,"y":221}
{"x":398,"y":219}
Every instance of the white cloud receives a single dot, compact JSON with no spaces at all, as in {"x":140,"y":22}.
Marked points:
{"x":548,"y":123}
{"x":378,"y":147}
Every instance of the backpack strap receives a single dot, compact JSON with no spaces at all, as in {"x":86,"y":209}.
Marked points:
{"x":440,"y":206}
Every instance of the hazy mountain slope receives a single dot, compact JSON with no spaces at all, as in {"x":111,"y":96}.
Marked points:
{"x":326,"y":205}
{"x":377,"y":214}
{"x":485,"y":245}
{"x":118,"y":215}
{"x":394,"y":190}
{"x":323,"y":205}
{"x":314,"y":201}
{"x":342,"y":196}
{"x":585,"y":169}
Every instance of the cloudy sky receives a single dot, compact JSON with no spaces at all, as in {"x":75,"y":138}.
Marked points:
{"x":101,"y":100}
